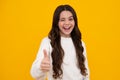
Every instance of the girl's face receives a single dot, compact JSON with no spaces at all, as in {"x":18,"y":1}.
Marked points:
{"x":66,"y":23}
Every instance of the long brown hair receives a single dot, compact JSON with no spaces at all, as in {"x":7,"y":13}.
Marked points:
{"x":57,"y":51}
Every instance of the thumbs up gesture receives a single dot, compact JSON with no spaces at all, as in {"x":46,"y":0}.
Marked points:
{"x":45,"y":64}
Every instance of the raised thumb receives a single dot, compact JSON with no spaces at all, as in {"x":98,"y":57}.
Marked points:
{"x":45,"y":54}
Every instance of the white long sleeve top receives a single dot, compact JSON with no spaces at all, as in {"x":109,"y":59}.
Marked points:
{"x":69,"y":65}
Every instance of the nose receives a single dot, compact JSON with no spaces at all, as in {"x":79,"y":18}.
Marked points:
{"x":66,"y":21}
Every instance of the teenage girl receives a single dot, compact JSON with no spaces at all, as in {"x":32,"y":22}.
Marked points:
{"x":62,"y":54}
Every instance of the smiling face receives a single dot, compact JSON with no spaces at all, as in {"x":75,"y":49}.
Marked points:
{"x":66,"y":23}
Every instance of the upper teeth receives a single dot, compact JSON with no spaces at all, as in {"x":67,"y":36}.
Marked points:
{"x":67,"y":28}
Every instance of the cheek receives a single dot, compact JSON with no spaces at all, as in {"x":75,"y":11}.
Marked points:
{"x":60,"y":24}
{"x":73,"y":23}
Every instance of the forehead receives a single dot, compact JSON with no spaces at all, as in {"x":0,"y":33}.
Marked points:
{"x":65,"y":14}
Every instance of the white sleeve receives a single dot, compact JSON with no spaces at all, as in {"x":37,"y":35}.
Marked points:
{"x":86,"y":62}
{"x":35,"y":69}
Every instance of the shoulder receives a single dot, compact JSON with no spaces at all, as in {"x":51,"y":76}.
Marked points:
{"x":84,"y":47}
{"x":83,"y":43}
{"x":45,"y":40}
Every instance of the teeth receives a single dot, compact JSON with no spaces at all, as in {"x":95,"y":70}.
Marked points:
{"x":66,"y":28}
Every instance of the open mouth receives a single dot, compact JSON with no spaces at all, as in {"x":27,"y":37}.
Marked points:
{"x":66,"y":28}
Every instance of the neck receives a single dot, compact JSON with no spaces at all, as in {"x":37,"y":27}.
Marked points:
{"x":65,"y":36}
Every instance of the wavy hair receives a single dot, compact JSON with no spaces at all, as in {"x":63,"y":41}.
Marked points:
{"x":57,"y":51}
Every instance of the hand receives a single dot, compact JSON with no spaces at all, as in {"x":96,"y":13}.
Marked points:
{"x":45,"y":64}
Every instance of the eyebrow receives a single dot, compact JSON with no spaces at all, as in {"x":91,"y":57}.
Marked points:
{"x":71,"y":16}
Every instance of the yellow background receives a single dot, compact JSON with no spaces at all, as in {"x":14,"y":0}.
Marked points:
{"x":23,"y":23}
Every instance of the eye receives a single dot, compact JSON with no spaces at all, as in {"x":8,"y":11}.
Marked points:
{"x":70,"y":19}
{"x":62,"y":19}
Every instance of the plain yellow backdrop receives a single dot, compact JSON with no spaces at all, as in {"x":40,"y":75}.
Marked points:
{"x":23,"y":23}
